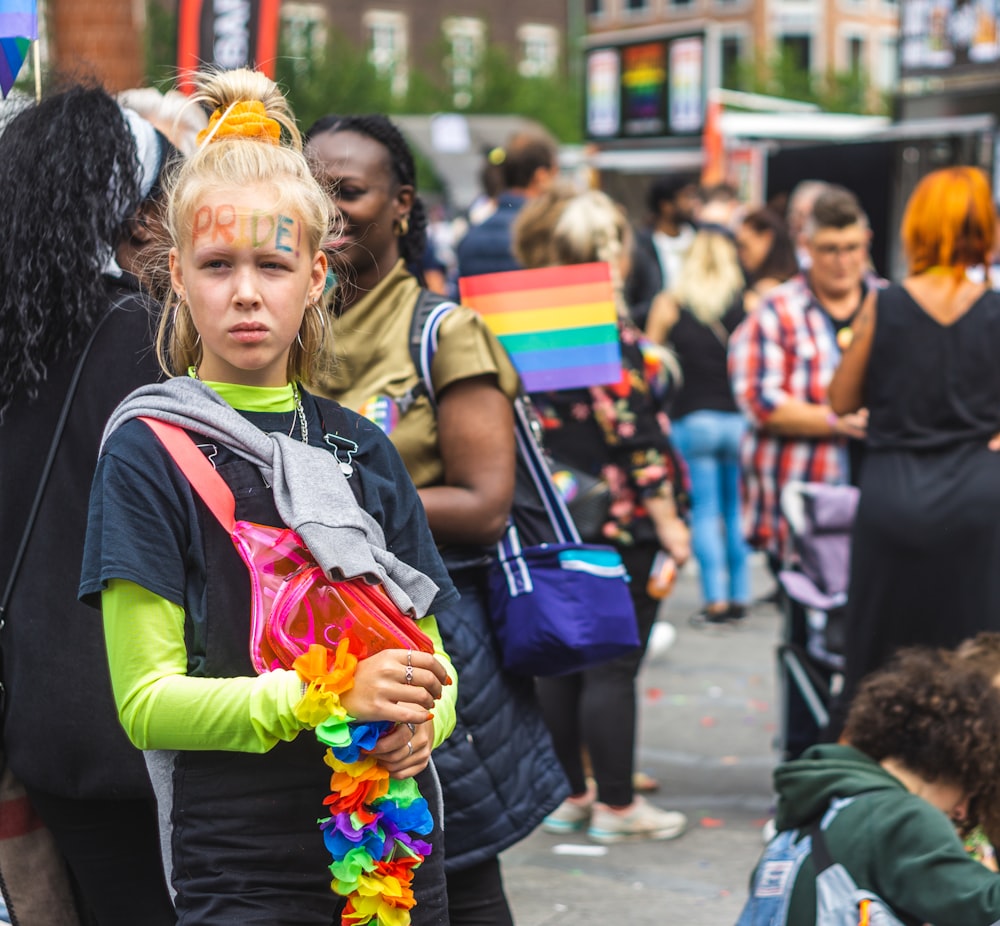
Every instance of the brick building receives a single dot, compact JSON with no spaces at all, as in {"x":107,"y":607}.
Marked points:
{"x":404,"y":34}
{"x":100,"y":38}
{"x":819,"y":35}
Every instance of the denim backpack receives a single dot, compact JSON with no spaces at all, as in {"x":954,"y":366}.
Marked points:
{"x":839,"y":901}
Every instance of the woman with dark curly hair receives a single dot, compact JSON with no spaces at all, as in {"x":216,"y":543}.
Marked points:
{"x":78,"y":179}
{"x":920,"y":749}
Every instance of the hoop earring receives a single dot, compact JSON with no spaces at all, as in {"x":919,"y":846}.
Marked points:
{"x":177,"y":311}
{"x":320,"y":312}
{"x":322,"y":324}
{"x":402,"y":226}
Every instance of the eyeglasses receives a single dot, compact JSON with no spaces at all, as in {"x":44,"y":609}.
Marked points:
{"x":835,"y":250}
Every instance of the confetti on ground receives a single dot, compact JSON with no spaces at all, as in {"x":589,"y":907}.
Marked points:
{"x":678,"y":700}
{"x":707,"y":721}
{"x":712,"y":823}
{"x":714,"y":691}
{"x":759,"y":706}
{"x":654,"y":694}
{"x":730,"y":760}
{"x":570,"y":848}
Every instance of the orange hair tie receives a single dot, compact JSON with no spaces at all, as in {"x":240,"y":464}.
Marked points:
{"x":246,"y":119}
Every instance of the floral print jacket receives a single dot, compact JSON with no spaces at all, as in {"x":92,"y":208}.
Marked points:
{"x":621,"y":433}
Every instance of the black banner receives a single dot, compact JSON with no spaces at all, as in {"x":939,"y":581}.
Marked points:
{"x":226,"y":34}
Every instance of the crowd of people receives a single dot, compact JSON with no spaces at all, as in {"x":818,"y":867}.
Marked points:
{"x":202,"y":277}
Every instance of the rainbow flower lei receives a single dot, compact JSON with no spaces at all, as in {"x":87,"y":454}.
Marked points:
{"x":369,"y":832}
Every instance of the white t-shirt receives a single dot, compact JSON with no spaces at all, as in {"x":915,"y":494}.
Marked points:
{"x":671,"y":250}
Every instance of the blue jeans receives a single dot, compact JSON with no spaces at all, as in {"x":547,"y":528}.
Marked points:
{"x":709,"y":441}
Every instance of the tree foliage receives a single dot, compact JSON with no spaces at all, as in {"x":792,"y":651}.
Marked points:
{"x":341,"y":79}
{"x":835,"y":91}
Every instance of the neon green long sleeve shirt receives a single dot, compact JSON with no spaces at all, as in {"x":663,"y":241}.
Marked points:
{"x":162,"y":707}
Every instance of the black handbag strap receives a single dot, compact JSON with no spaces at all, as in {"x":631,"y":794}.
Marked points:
{"x":43,"y":481}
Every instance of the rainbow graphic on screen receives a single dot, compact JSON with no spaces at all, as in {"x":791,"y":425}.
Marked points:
{"x":558,"y":324}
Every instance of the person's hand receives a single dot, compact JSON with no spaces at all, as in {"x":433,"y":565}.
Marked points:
{"x":675,"y":538}
{"x":396,"y":684}
{"x":994,"y":443}
{"x":406,"y":750}
{"x":854,"y":425}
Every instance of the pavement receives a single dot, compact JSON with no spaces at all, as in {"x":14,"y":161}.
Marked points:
{"x":708,"y":723}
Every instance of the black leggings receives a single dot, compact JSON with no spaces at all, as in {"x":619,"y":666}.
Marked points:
{"x":596,"y":708}
{"x":113,"y":851}
{"x":476,"y":896}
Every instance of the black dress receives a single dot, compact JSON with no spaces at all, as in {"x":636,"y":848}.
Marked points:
{"x":925,"y":564}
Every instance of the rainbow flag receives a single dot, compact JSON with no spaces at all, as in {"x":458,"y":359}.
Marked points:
{"x":559,"y":324}
{"x":18,"y":26}
{"x":19,"y":18}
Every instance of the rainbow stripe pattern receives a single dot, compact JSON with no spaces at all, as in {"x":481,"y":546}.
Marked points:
{"x":18,"y":26}
{"x":558,"y":324}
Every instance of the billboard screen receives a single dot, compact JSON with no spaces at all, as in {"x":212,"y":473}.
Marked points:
{"x":953,"y":36}
{"x":646,"y":89}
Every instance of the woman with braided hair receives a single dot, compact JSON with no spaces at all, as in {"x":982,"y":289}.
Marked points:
{"x":499,"y":772}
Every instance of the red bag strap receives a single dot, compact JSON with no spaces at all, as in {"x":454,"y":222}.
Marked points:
{"x":199,"y":471}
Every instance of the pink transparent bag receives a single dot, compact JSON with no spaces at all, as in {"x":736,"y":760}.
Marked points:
{"x":294,"y":604}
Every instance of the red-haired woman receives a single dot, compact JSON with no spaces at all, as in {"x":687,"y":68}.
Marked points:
{"x":925,"y":361}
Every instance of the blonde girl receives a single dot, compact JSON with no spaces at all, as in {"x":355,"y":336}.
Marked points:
{"x":240,"y":780}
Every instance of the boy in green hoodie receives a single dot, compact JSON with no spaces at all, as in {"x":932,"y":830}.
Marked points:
{"x":920,"y":749}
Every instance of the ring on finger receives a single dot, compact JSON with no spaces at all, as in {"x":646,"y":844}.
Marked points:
{"x":409,"y":675}
{"x":409,"y":746}
{"x":409,"y":657}
{"x":412,"y":728}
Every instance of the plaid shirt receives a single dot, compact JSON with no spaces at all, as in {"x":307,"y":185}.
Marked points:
{"x":786,"y":349}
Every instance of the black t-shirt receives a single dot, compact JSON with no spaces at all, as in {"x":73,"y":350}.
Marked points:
{"x":145,"y":526}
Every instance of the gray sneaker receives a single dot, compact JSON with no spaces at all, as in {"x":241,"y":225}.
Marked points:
{"x":568,"y":817}
{"x":641,"y":821}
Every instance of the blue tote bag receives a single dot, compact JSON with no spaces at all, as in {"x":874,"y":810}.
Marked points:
{"x":557,"y":605}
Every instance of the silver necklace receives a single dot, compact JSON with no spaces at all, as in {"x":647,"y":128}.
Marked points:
{"x":301,"y":414}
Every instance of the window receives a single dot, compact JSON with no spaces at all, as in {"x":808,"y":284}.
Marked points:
{"x":539,"y":50}
{"x":467,"y":38}
{"x":730,"y":55}
{"x":856,"y":56}
{"x":887,"y":65}
{"x":595,"y":8}
{"x":387,"y":47}
{"x":303,"y":31}
{"x":636,"y":6}
{"x":797,"y":50}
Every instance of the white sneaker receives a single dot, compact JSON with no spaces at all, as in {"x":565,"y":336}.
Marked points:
{"x":569,"y":816}
{"x":641,"y":821}
{"x":661,"y":638}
